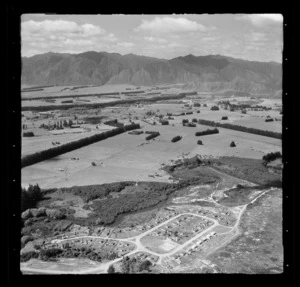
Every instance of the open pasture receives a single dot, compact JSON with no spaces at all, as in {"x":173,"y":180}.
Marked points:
{"x":130,"y":157}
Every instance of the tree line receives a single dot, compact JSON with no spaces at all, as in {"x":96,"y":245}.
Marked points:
{"x":30,"y":197}
{"x":152,"y":135}
{"x":58,"y":150}
{"x":241,"y":129}
{"x":70,"y":96}
{"x":207,"y":132}
{"x":101,"y":105}
{"x":271,"y":156}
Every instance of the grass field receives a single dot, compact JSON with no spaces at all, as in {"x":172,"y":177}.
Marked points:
{"x":130,"y":157}
{"x":158,"y":245}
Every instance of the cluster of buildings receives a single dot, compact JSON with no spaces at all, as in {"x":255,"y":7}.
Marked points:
{"x":182,"y":228}
{"x":120,"y":248}
{"x":197,"y":245}
{"x":223,"y":216}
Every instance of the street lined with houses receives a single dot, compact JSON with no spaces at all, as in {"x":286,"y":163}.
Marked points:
{"x":136,"y":240}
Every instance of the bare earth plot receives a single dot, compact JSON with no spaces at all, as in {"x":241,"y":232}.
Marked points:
{"x":259,"y":247}
{"x":63,"y":265}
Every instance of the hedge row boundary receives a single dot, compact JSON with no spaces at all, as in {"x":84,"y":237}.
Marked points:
{"x":241,"y":129}
{"x":101,"y":105}
{"x":59,"y":150}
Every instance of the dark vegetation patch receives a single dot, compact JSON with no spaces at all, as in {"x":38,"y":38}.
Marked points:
{"x":100,"y":105}
{"x":133,"y":265}
{"x":271,"y":156}
{"x":252,"y":170}
{"x":241,"y":129}
{"x":239,"y":195}
{"x":30,"y":197}
{"x":152,"y":135}
{"x":207,"y":132}
{"x":92,"y":192}
{"x":28,"y":134}
{"x":61,"y":149}
{"x":176,"y":139}
{"x":147,"y":195}
{"x":53,"y":254}
{"x":93,"y":120}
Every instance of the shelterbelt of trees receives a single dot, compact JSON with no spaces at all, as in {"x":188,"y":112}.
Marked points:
{"x":241,"y":129}
{"x":102,"y":105}
{"x":58,"y":150}
{"x":67,"y":96}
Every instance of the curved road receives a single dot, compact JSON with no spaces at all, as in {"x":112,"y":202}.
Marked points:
{"x":141,"y":248}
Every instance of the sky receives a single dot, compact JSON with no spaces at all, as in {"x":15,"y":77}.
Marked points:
{"x":253,"y":37}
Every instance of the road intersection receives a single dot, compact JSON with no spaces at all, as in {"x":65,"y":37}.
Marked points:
{"x":141,"y":248}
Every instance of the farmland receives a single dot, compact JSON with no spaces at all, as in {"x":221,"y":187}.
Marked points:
{"x":130,"y":198}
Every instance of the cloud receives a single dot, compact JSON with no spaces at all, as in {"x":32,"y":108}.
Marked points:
{"x":170,"y":25}
{"x":125,"y":44}
{"x":261,"y":19}
{"x":156,"y":40}
{"x":256,"y":37}
{"x":61,"y":26}
{"x":63,"y":36}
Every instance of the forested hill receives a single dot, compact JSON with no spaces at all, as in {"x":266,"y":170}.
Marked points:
{"x":204,"y":73}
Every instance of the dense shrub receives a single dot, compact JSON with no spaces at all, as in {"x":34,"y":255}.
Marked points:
{"x":189,"y":113}
{"x":232,"y":144}
{"x":30,"y":197}
{"x":214,"y":108}
{"x":164,"y":122}
{"x":67,"y":102}
{"x":28,"y":134}
{"x":152,"y":136}
{"x":92,"y":192}
{"x":28,"y":255}
{"x":185,"y":121}
{"x":197,"y":105}
{"x":241,"y":129}
{"x":108,"y":209}
{"x":111,"y":269}
{"x":191,"y":125}
{"x":135,"y":132}
{"x":114,"y":123}
{"x":194,"y":120}
{"x":176,"y":139}
{"x":269,"y":120}
{"x":207,"y":132}
{"x":252,"y":170}
{"x":53,"y":252}
{"x":93,"y":120}
{"x":199,"y":142}
{"x":224,"y":118}
{"x":145,"y":265}
{"x":271,"y":156}
{"x":58,"y":150}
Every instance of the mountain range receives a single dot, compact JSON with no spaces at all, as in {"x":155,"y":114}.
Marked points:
{"x":212,"y":73}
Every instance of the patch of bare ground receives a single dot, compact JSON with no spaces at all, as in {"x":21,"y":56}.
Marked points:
{"x":258,"y":249}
